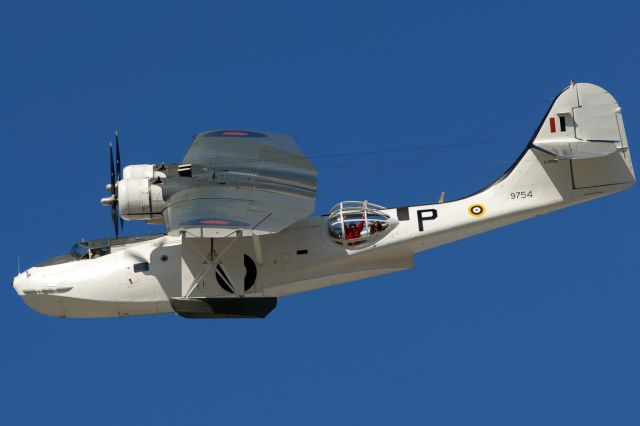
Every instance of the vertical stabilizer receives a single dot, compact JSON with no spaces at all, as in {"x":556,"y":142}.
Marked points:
{"x":585,"y":127}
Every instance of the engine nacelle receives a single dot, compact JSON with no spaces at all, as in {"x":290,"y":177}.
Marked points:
{"x":138,"y":171}
{"x":139,"y":199}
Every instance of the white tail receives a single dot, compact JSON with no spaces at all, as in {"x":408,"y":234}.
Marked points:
{"x":578,"y":152}
{"x":585,"y":125}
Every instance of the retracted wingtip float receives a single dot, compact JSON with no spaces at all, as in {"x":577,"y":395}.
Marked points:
{"x":239,"y":234}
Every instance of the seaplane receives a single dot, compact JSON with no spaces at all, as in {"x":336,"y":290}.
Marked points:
{"x":239,"y":231}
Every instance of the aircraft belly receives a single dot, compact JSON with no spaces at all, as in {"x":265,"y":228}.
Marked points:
{"x":45,"y":304}
{"x":329,"y":275}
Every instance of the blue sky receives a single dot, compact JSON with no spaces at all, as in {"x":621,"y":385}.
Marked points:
{"x":537,"y":323}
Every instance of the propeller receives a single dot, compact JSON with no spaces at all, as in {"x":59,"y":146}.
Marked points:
{"x":119,"y":171}
{"x":118,"y":166}
{"x":116,"y":175}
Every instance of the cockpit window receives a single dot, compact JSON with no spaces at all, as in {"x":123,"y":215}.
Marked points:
{"x":354,"y":223}
{"x":94,"y":249}
{"x":99,"y":252}
{"x":79,"y":251}
{"x":82,"y":250}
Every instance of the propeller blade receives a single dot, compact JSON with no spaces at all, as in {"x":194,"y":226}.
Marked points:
{"x":118,"y":163}
{"x":114,"y":203}
{"x":114,"y":217}
{"x":119,"y":170}
{"x":113,"y":173}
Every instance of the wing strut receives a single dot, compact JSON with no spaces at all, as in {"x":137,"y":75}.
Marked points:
{"x":213,"y":261}
{"x":257,"y":248}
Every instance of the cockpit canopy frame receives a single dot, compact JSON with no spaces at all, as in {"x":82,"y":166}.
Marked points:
{"x":358,"y":223}
{"x":92,"y":249}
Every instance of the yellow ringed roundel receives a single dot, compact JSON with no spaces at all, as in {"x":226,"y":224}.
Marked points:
{"x":477,"y":210}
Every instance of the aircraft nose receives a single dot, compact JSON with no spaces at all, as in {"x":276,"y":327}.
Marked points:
{"x":28,"y":282}
{"x":39,"y":297}
{"x":19,"y":283}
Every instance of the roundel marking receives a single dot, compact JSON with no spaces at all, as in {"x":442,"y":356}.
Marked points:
{"x":477,"y":210}
{"x":235,"y":133}
{"x":214,"y":222}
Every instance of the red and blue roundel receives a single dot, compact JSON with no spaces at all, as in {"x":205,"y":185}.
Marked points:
{"x":215,"y":222}
{"x":235,"y":134}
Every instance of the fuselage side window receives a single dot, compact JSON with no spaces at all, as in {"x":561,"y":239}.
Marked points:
{"x":141,"y":267}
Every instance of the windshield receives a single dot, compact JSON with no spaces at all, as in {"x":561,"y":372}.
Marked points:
{"x":94,"y":249}
{"x":79,"y":252}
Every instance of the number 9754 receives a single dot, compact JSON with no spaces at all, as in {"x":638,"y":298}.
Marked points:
{"x":521,"y":195}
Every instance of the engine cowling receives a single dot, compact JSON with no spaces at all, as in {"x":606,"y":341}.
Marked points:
{"x":137,"y":171}
{"x":139,"y":198}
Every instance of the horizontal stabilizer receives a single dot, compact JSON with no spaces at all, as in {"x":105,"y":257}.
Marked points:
{"x":576,"y":149}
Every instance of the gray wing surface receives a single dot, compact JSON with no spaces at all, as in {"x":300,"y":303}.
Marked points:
{"x":256,"y":182}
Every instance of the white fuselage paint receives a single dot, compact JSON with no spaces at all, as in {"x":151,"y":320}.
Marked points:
{"x":108,"y":286}
{"x":579,"y":153}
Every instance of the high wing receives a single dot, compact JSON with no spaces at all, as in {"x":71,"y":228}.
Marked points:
{"x":256,"y":182}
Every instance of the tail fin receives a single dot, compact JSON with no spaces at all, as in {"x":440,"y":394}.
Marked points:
{"x":578,"y":152}
{"x":585,"y":125}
